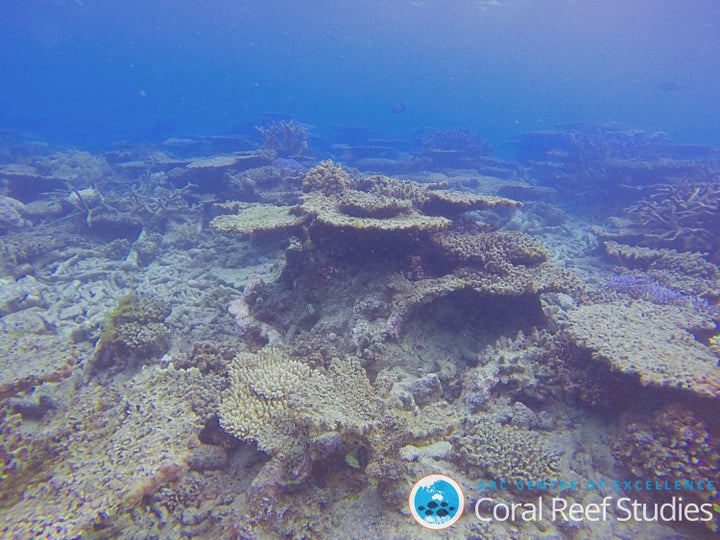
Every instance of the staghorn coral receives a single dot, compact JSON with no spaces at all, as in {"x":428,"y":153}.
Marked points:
{"x":674,"y":443}
{"x":683,"y":216}
{"x":649,"y":341}
{"x":490,"y":450}
{"x":258,"y":219}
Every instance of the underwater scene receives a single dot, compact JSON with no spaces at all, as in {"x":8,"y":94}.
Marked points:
{"x":371,"y":269}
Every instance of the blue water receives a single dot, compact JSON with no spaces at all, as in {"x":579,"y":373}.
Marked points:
{"x":93,"y":72}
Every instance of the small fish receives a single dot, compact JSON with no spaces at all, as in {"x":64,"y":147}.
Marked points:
{"x":670,"y":86}
{"x":398,"y":108}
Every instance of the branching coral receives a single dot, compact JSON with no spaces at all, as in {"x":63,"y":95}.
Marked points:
{"x":274,"y":400}
{"x":684,"y":216}
{"x":327,"y":178}
{"x":286,"y":139}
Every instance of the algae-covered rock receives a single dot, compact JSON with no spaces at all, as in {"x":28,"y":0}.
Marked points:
{"x":111,"y":446}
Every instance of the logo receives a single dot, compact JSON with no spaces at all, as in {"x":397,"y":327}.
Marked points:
{"x":436,"y":502}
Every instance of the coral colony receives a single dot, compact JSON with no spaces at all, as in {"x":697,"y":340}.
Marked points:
{"x":214,"y":337}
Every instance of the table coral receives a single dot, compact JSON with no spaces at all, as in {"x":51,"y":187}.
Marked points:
{"x":260,"y":218}
{"x":649,"y":341}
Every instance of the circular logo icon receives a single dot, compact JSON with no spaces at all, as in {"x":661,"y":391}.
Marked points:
{"x":436,"y":501}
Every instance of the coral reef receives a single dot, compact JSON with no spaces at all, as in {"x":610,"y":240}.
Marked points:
{"x":683,"y":216}
{"x":302,"y":417}
{"x":110,"y":450}
{"x":274,"y":400}
{"x":454,"y":148}
{"x":47,"y":358}
{"x":496,"y":252}
{"x":11,"y":213}
{"x":327,"y":178}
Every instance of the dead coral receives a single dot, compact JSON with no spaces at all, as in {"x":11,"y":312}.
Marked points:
{"x":119,"y":443}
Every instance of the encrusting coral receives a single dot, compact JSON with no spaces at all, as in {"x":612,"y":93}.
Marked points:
{"x":110,"y":450}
